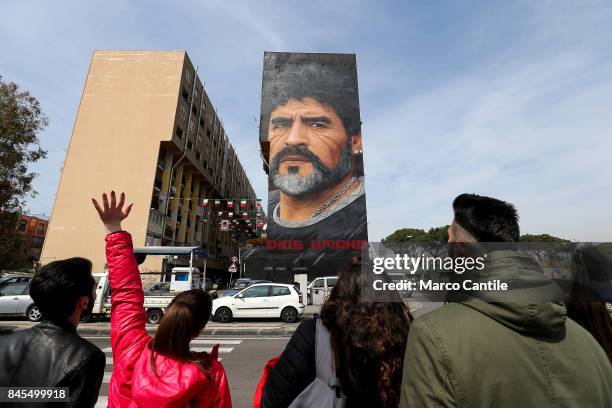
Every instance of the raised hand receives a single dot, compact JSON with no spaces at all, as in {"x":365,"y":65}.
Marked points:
{"x":112,"y":213}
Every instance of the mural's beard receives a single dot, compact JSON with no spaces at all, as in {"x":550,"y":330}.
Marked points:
{"x":295,"y":185}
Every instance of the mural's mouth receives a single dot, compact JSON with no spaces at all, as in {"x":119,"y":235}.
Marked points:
{"x":294,"y":160}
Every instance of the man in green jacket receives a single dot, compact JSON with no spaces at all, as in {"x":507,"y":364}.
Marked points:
{"x":494,"y":349}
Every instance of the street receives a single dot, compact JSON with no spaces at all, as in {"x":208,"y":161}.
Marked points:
{"x":242,"y":357}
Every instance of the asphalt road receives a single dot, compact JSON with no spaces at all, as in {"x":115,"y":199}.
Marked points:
{"x":242,"y":357}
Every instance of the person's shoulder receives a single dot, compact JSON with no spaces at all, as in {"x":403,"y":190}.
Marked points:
{"x":446,"y":314}
{"x":307,"y":328}
{"x":17,"y":338}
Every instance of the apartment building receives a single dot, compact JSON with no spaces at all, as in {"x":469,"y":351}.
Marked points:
{"x":32,"y":230}
{"x":146,"y":126}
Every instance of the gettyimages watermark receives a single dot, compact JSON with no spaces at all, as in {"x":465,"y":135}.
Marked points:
{"x":494,"y":272}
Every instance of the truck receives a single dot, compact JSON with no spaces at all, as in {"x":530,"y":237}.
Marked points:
{"x":182,"y":278}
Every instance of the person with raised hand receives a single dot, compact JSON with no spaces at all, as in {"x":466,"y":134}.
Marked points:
{"x":159,"y":371}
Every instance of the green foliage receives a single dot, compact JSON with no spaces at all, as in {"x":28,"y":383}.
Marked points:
{"x":21,"y":119}
{"x":433,"y":241}
{"x":541,"y":238}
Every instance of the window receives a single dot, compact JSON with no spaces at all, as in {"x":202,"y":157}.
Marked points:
{"x":257,"y":291}
{"x":14,"y":289}
{"x":183,"y":113}
{"x":280,"y":291}
{"x":318,"y":283}
{"x":179,"y":132}
{"x":331,"y":282}
{"x":23,"y":225}
{"x":188,"y":76}
{"x":41,"y":229}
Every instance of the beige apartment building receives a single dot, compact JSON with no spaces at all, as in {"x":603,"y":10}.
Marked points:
{"x":146,"y":126}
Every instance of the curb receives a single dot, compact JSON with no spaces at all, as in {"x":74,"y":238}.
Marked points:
{"x":247,"y":331}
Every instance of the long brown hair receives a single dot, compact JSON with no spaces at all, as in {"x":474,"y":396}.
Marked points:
{"x":185,"y":317}
{"x":368,"y":339}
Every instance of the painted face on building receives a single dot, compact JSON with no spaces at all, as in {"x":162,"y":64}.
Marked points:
{"x":309,"y":147}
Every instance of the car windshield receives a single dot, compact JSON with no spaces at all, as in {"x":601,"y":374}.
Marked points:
{"x":241,"y":285}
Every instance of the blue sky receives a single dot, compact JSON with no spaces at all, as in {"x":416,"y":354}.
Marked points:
{"x":510,"y":99}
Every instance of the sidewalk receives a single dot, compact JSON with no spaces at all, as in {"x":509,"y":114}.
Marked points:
{"x":242,"y":327}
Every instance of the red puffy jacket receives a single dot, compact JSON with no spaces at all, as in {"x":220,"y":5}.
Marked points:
{"x":132,"y":384}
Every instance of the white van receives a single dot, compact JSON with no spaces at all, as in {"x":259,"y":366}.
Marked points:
{"x":319,"y":289}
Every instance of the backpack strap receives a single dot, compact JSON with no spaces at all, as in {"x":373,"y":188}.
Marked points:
{"x":325,"y":364}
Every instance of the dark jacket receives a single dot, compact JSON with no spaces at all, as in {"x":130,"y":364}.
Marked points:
{"x":489,"y":349}
{"x":294,"y":370}
{"x":52,"y":355}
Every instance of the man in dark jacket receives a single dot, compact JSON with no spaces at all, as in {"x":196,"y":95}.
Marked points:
{"x":52,"y":354}
{"x":491,"y":349}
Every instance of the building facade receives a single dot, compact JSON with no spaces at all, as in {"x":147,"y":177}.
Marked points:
{"x":32,"y":230}
{"x":146,"y":126}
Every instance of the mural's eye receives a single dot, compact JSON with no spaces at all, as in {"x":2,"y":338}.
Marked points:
{"x":281,"y":125}
{"x":318,"y":125}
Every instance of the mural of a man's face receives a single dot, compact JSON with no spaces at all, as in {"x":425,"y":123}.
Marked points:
{"x":309,"y":147}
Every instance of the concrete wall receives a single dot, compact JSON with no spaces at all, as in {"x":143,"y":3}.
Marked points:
{"x":127,"y":108}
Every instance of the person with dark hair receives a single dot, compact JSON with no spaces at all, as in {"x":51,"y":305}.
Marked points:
{"x":160,"y":371}
{"x":489,"y":348}
{"x":587,"y":307}
{"x":52,"y":354}
{"x":366,"y":343}
{"x":310,"y":118}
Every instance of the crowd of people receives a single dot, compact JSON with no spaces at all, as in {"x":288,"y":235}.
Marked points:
{"x":475,"y":351}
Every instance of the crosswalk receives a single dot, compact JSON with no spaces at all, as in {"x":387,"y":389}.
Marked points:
{"x":198,"y":344}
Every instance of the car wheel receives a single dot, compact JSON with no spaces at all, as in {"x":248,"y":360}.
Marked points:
{"x":154,"y":316}
{"x":33,"y":314}
{"x":289,"y":315}
{"x":223,"y":315}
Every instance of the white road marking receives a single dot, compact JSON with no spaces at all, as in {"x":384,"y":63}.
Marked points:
{"x":223,"y":350}
{"x":198,"y":341}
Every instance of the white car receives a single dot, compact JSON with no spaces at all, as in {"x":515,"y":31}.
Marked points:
{"x":278,"y":300}
{"x":15,"y":299}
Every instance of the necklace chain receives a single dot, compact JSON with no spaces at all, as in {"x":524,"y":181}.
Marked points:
{"x":330,"y":200}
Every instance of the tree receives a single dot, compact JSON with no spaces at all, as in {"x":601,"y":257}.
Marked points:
{"x":541,"y":238}
{"x":21,"y":119}
{"x":415,"y":241}
{"x":545,"y":246}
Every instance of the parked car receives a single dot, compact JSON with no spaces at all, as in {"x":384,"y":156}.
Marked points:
{"x":241,"y":284}
{"x":15,"y":299}
{"x":319,"y":289}
{"x":269,"y":300}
